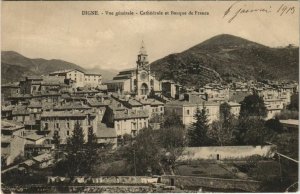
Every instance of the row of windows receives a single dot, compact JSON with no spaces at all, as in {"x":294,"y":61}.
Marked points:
{"x":57,"y":125}
{"x":133,"y":125}
{"x":188,"y":111}
{"x":157,"y":109}
{"x":68,"y":132}
{"x":89,"y":79}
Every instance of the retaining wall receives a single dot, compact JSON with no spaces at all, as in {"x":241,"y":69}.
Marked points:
{"x":226,"y":152}
{"x":106,"y":180}
{"x":245,"y":185}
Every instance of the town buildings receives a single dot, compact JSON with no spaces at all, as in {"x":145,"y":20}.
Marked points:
{"x":37,"y":107}
{"x":12,"y":142}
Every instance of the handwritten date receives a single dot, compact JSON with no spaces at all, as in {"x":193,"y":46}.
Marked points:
{"x":238,"y":9}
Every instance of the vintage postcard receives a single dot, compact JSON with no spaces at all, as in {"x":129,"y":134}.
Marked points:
{"x":149,"y":96}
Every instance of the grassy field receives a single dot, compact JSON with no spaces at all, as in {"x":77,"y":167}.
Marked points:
{"x":203,"y":169}
{"x":114,"y":168}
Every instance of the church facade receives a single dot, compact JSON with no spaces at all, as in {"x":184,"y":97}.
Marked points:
{"x":139,"y":81}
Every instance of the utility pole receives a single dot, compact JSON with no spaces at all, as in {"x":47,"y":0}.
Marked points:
{"x":280,"y":167}
{"x":134,"y":161}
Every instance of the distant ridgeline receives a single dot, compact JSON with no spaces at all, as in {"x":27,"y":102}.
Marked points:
{"x":228,"y":58}
{"x":220,"y":58}
{"x":15,"y":66}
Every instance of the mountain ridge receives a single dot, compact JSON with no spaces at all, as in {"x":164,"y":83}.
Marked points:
{"x":232,"y":57}
{"x":15,"y":66}
{"x":220,"y":58}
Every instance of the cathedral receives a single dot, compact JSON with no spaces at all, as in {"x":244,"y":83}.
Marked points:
{"x":137,"y":81}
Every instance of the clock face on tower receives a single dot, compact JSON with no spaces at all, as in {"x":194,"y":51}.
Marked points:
{"x":143,"y":75}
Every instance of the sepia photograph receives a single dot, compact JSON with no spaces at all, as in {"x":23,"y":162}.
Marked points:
{"x":149,"y":96}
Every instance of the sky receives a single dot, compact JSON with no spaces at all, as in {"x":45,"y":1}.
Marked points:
{"x":58,"y":30}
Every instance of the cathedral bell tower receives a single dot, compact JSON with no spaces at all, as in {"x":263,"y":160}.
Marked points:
{"x":142,"y":72}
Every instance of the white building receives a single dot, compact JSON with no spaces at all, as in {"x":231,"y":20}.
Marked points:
{"x":80,"y":78}
{"x":186,"y":109}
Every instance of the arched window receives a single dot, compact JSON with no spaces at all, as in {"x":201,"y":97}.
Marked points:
{"x":144,"y":89}
{"x":151,"y":83}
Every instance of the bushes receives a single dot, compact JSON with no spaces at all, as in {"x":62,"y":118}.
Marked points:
{"x":288,"y":114}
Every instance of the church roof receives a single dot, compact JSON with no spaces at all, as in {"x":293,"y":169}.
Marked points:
{"x":115,"y":81}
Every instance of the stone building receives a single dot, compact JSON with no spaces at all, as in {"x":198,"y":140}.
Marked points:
{"x":64,"y":122}
{"x":140,"y":80}
{"x":79,"y":77}
{"x":12,"y":142}
{"x":186,"y":108}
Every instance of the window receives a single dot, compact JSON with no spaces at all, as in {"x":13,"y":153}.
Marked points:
{"x":118,"y":126}
{"x":68,"y":125}
{"x":68,"y":132}
{"x":152,"y":82}
{"x":57,"y":125}
{"x":46,"y":126}
{"x":141,"y":125}
{"x":133,"y":126}
{"x":187,"y":112}
{"x":145,"y":124}
{"x":161,"y":108}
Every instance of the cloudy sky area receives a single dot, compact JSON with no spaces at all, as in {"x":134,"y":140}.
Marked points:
{"x":58,"y":30}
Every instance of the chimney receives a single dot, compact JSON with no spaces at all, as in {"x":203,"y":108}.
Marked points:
{"x":206,"y":96}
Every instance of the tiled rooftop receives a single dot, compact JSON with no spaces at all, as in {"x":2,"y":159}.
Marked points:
{"x":63,"y":114}
{"x":34,"y":137}
{"x":11,"y":125}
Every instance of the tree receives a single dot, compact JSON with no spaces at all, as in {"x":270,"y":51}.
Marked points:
{"x":56,"y":139}
{"x":91,"y":149}
{"x":172,"y":137}
{"x":172,"y":140}
{"x":252,"y":131}
{"x":222,"y":131}
{"x":197,"y":132}
{"x":172,"y":119}
{"x":76,"y":155}
{"x":144,"y":153}
{"x":274,"y":125}
{"x":253,"y":105}
{"x":294,"y":105}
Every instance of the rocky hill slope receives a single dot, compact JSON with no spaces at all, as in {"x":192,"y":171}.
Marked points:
{"x":229,"y":58}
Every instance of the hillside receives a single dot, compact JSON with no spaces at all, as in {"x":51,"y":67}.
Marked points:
{"x":15,"y":66}
{"x":231,"y":58}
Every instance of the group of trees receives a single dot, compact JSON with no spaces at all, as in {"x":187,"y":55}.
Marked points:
{"x":153,"y":151}
{"x":249,"y":128}
{"x":79,"y":155}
